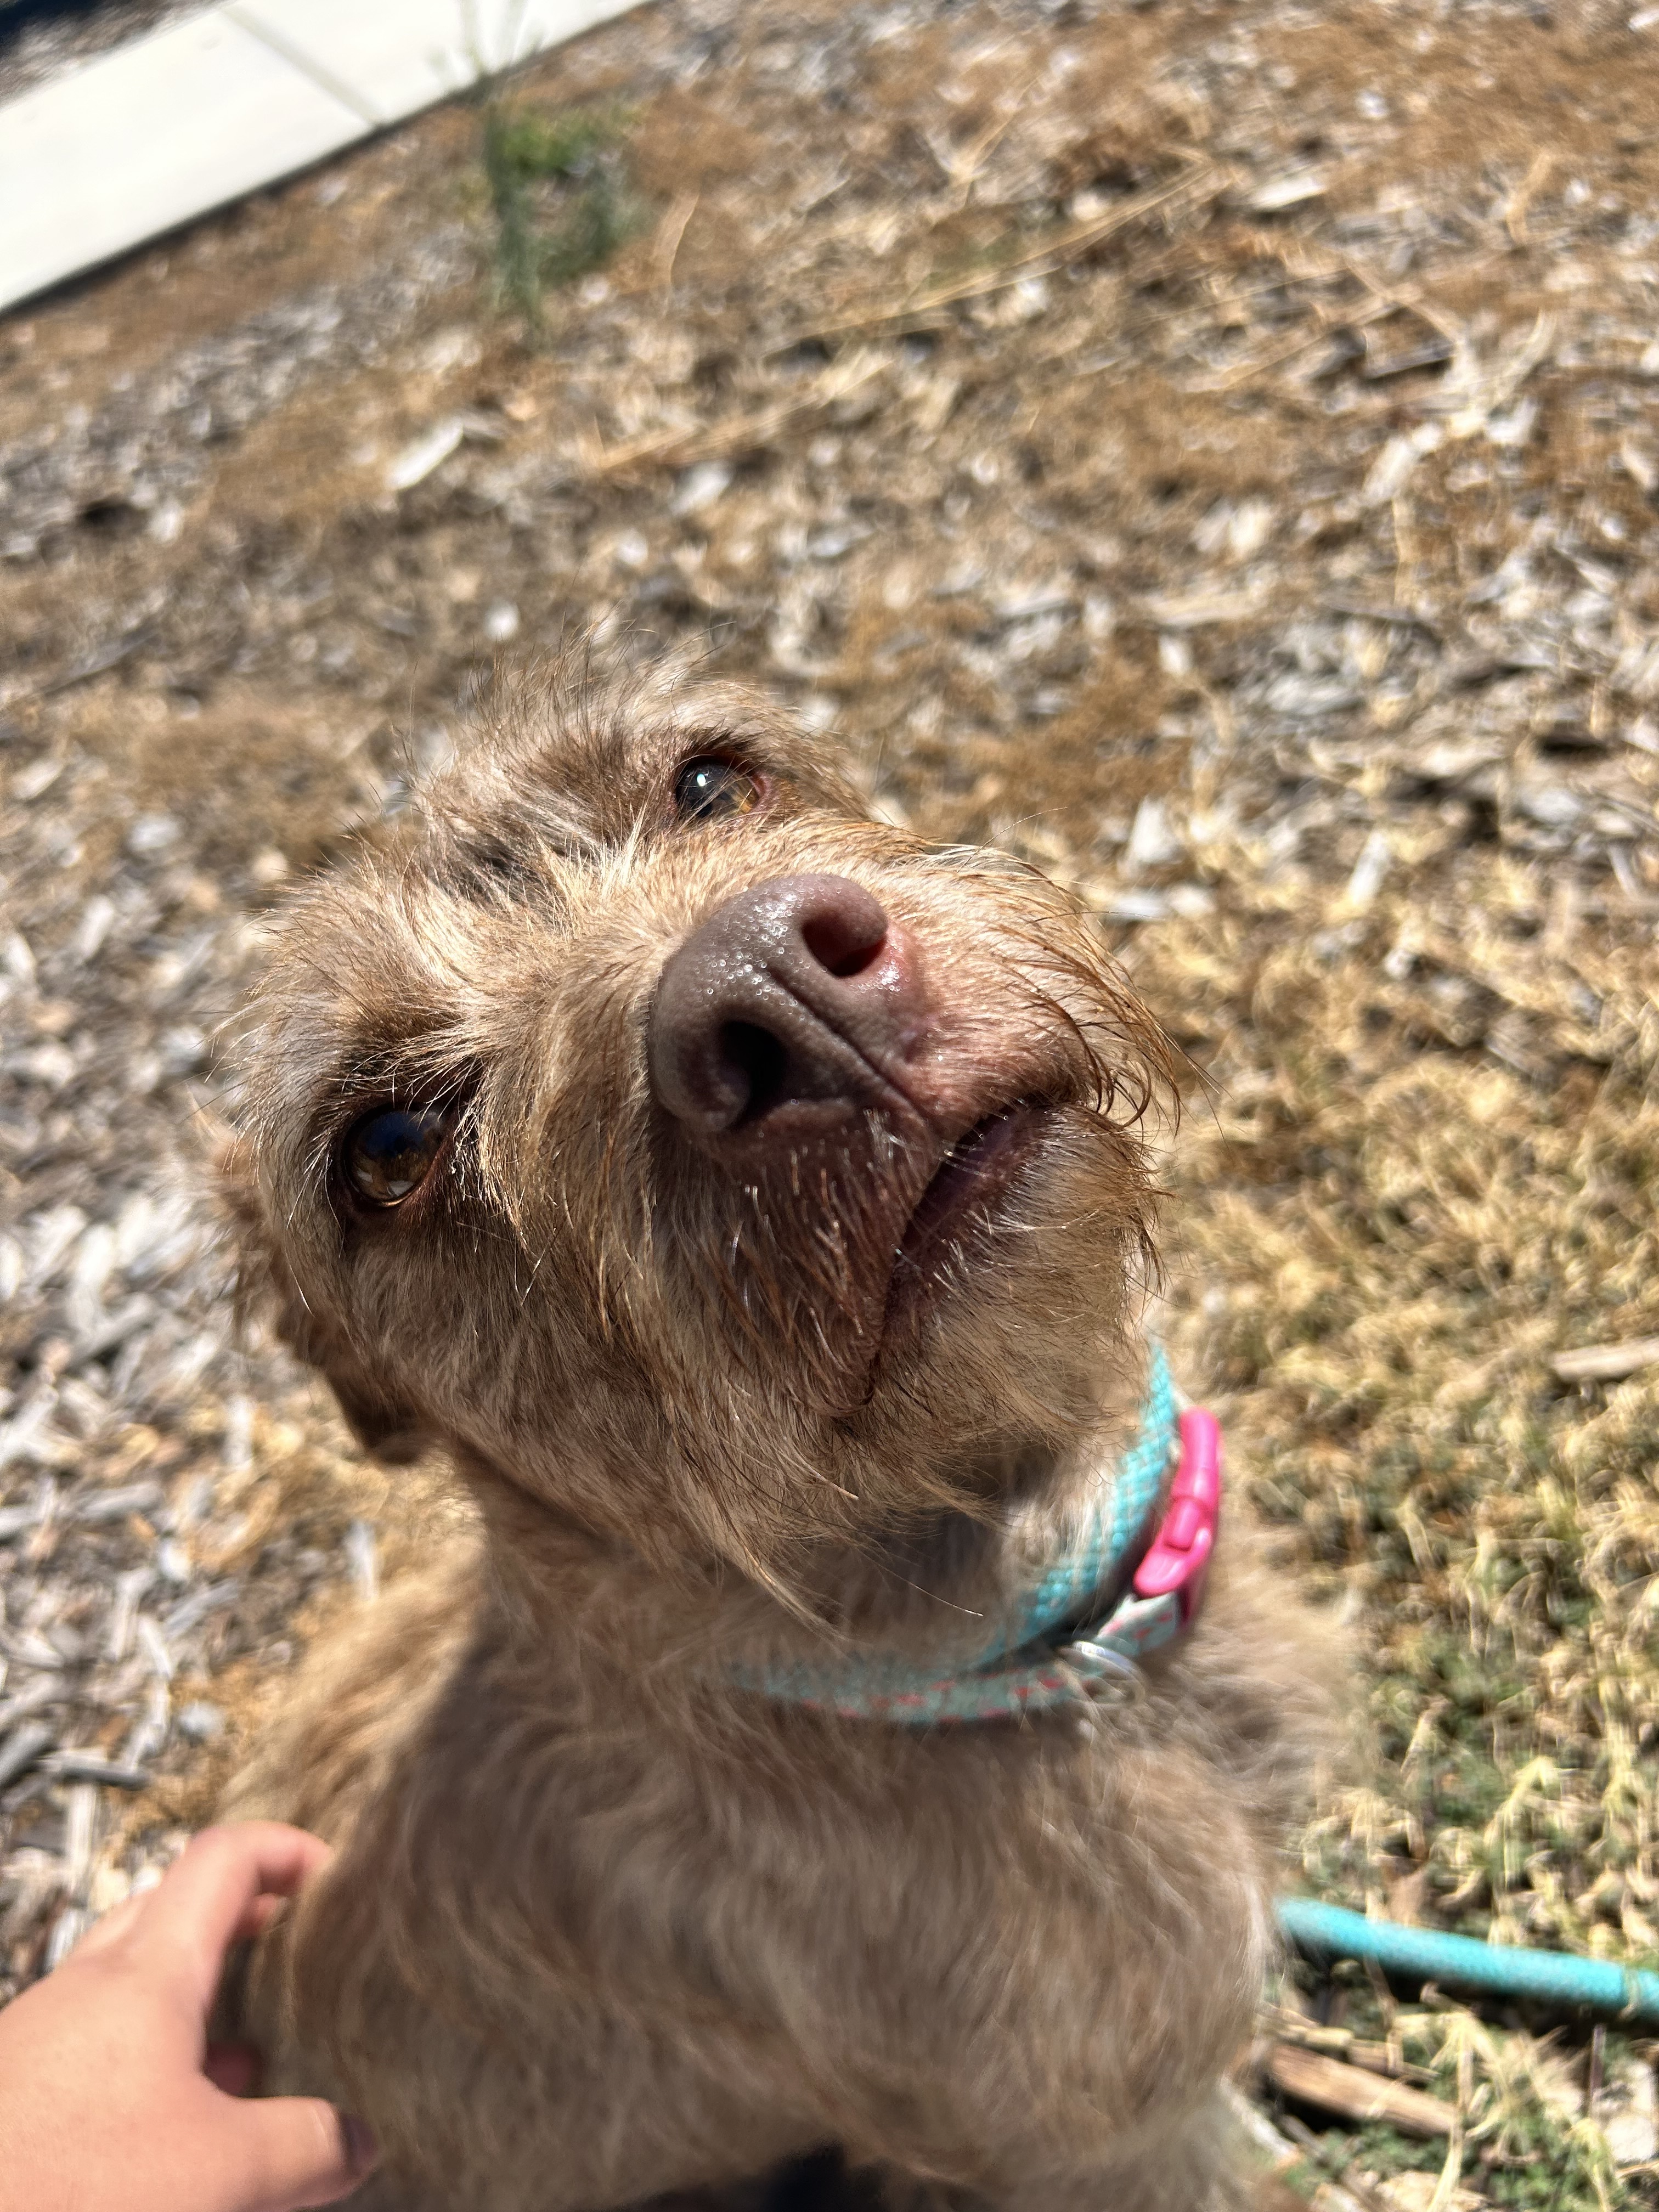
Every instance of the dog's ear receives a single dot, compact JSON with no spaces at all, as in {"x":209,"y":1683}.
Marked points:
{"x":382,"y":1422}
{"x":236,"y":1188}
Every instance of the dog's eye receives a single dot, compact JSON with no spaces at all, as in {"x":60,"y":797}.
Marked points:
{"x":389,"y":1154}
{"x":704,"y":790}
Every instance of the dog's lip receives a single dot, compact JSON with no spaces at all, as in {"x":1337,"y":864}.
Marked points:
{"x":974,"y":1175}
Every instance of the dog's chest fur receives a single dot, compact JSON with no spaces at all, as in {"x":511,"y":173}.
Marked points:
{"x":679,"y":1936}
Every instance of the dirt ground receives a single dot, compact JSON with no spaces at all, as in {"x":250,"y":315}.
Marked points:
{"x":1211,"y":449}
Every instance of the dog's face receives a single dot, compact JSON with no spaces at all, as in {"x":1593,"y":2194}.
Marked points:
{"x":731,"y":1172}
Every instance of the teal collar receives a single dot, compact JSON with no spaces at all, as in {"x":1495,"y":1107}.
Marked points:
{"x":1045,"y":1659}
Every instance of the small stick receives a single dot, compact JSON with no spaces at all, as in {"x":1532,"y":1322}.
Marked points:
{"x":1605,"y":1363}
{"x":1355,"y":2094}
{"x":668,"y":242}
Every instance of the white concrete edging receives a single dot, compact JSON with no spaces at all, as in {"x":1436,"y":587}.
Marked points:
{"x":160,"y":130}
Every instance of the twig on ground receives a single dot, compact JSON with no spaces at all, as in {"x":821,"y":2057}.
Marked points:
{"x":1354,"y":2093}
{"x":1605,"y":1363}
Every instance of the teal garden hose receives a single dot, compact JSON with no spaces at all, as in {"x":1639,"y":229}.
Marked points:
{"x":1545,"y":1978}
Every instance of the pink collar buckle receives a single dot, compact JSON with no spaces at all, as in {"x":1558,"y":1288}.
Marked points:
{"x":1168,"y":1588}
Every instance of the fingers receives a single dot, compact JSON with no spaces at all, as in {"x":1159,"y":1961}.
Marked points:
{"x":115,"y":1924}
{"x":211,"y":1895}
{"x":119,"y":1920}
{"x":293,"y":2151}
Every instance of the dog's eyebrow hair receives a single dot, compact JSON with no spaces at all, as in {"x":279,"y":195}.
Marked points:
{"x":488,"y":868}
{"x":509,"y":823}
{"x":490,"y":873}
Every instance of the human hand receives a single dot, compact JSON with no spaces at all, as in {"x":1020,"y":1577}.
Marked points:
{"x":111,"y":2099}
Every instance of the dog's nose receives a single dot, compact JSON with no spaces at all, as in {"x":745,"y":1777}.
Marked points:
{"x":797,"y":993}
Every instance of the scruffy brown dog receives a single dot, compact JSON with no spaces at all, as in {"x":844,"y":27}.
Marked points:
{"x":751,"y":1202}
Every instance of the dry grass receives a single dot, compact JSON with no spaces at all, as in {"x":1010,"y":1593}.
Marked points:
{"x":1385,"y":1239}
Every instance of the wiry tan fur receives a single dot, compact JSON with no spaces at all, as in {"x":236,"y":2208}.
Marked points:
{"x":603,"y":1925}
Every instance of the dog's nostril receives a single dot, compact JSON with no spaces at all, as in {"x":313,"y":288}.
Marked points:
{"x":845,"y":939}
{"x":757,"y":1065}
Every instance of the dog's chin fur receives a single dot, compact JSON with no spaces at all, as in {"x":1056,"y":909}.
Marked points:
{"x":603,"y":1926}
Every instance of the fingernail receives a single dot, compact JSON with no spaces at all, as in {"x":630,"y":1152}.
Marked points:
{"x":357,"y":2138}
